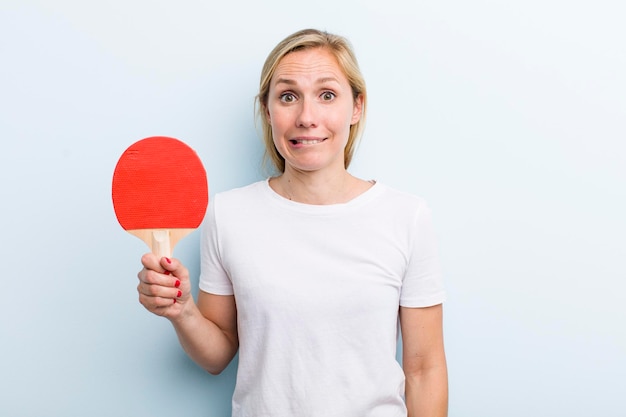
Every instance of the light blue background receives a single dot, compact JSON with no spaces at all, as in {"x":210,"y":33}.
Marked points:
{"x":508,"y":117}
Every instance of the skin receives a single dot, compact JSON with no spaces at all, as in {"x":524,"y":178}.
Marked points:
{"x":310,"y":108}
{"x":424,"y":361}
{"x":207,"y":330}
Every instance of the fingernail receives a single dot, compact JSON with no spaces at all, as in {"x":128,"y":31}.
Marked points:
{"x":168,"y":260}
{"x":177,"y":284}
{"x":179,"y":293}
{"x":174,"y":301}
{"x":166,"y":272}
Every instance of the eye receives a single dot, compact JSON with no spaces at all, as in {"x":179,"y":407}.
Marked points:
{"x":327,"y":95}
{"x":287,"y":98}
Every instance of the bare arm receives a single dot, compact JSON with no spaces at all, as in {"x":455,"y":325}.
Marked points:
{"x":424,"y":361}
{"x":207,"y":331}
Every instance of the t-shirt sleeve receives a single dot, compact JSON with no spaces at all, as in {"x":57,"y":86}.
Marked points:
{"x":422,"y":285}
{"x":213,"y":277}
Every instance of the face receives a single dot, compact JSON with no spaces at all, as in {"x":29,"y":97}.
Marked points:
{"x":310,"y":108}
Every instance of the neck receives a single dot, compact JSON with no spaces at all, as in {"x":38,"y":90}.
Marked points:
{"x":317,"y":188}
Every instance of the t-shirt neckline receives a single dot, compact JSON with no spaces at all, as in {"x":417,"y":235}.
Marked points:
{"x":357,"y":201}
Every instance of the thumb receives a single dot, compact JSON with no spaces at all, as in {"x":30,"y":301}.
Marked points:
{"x":174,"y":267}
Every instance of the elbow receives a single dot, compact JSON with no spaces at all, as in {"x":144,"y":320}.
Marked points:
{"x":215,"y":372}
{"x":416,"y":370}
{"x":218,"y":364}
{"x":215,"y":369}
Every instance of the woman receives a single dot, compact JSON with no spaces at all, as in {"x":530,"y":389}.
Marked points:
{"x":308,"y":272}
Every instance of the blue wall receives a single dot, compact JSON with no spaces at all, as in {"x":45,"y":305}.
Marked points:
{"x":508,"y":117}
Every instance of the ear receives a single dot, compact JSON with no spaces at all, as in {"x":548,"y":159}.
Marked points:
{"x":357,"y":109}
{"x":267,"y":115}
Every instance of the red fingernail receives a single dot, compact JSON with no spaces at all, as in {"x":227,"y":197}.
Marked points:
{"x":166,"y":272}
{"x":179,"y":293}
{"x":174,"y":301}
{"x":168,"y":260}
{"x":177,"y":284}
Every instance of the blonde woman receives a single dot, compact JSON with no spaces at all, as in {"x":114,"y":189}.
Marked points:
{"x":307,"y":273}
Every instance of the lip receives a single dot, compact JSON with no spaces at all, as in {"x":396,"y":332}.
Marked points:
{"x":306,"y":140}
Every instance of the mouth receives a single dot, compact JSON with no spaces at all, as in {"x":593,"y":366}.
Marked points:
{"x":306,"y":141}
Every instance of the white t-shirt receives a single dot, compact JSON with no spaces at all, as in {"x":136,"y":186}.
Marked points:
{"x":318,"y":289}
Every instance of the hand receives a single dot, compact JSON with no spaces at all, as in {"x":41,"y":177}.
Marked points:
{"x":164,"y":287}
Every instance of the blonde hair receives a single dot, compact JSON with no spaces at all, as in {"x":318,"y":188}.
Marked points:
{"x":343,"y":53}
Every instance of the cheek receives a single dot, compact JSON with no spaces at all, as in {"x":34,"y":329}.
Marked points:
{"x":343,"y":120}
{"x":278,"y":134}
{"x":275,"y":117}
{"x":276,"y":125}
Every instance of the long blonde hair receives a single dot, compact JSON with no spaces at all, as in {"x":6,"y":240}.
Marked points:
{"x":306,"y":39}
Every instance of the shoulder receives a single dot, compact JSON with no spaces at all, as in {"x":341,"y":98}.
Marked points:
{"x":399,"y":199}
{"x":240,"y":195}
{"x":233,"y":206}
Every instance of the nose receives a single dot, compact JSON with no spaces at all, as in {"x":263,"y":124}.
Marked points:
{"x":307,"y":114}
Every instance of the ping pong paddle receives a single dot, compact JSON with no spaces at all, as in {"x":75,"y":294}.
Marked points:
{"x":160,"y":192}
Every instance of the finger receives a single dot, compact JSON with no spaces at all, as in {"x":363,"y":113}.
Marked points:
{"x":159,"y":291}
{"x":157,"y":305}
{"x":151,"y":261}
{"x":164,"y":285}
{"x":174,"y":267}
{"x":165,"y":279}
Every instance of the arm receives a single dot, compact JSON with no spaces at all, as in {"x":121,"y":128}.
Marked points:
{"x":207,"y":331}
{"x":424,"y":361}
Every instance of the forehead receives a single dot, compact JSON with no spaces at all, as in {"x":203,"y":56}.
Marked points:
{"x":312,"y":62}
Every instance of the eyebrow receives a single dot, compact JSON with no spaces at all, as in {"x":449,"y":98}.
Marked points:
{"x":292,"y":82}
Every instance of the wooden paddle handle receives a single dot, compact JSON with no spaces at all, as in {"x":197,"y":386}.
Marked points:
{"x":161,"y":243}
